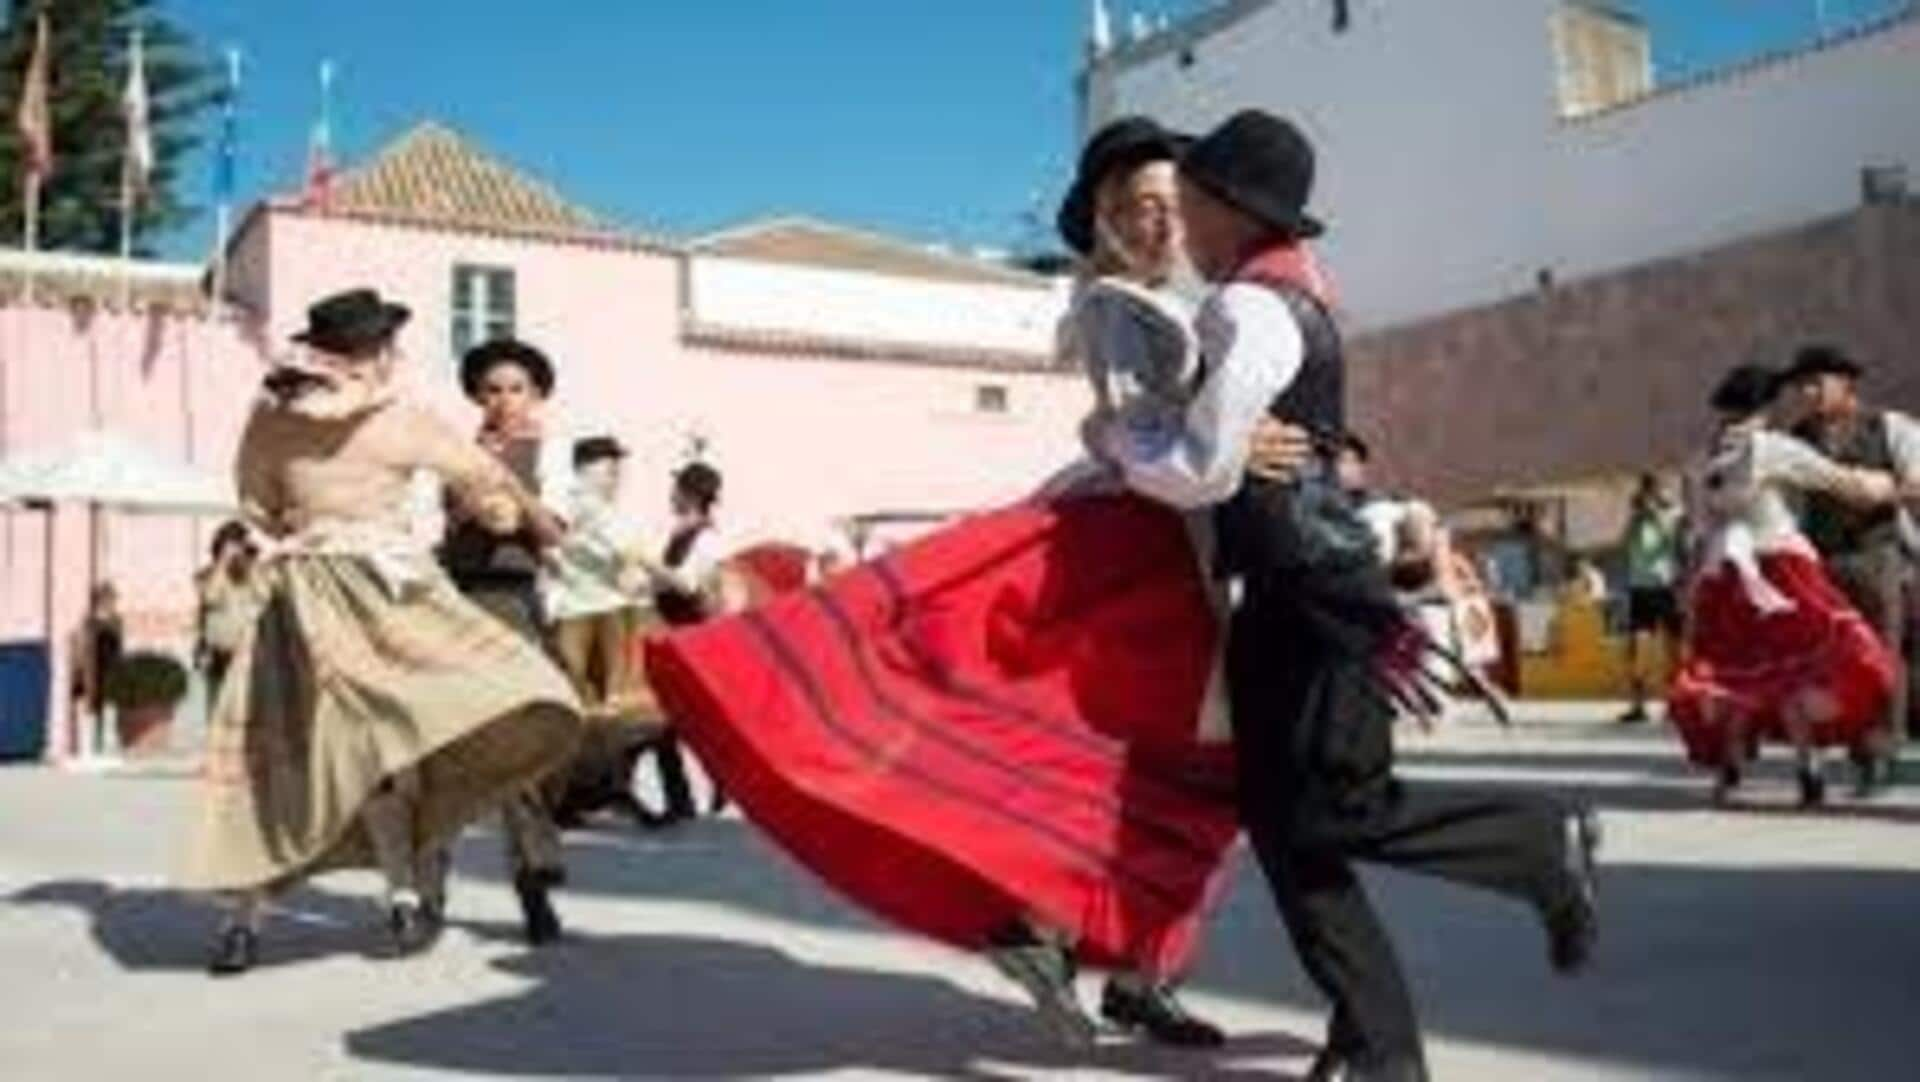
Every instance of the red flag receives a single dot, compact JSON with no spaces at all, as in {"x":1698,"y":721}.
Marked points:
{"x":36,"y":127}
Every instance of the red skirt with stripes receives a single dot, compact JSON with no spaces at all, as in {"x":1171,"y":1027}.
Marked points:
{"x":1748,"y":666}
{"x":993,"y":723}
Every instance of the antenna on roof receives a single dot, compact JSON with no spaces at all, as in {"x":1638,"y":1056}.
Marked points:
{"x":1100,"y":32}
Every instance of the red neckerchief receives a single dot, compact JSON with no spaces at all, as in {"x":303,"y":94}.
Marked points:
{"x":1291,"y":263}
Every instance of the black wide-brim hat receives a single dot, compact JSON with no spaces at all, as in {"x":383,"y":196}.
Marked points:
{"x":486,"y":356}
{"x":1821,"y":360}
{"x":355,"y":322}
{"x":597,"y":449}
{"x":1746,"y":390}
{"x":1126,"y":143}
{"x":1262,"y":166}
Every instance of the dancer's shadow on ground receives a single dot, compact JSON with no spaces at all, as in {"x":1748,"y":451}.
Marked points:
{"x":721,"y":861}
{"x":680,"y":1007}
{"x":147,"y":929}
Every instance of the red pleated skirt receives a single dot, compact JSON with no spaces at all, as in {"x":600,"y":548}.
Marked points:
{"x":993,"y":723}
{"x":1746,"y":665}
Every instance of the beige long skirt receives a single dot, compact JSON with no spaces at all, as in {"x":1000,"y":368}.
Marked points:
{"x":347,"y":681}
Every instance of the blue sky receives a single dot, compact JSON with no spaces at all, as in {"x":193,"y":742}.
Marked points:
{"x":942,"y":120}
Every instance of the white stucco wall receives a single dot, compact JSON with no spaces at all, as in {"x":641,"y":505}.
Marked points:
{"x":1449,"y":180}
{"x":1751,"y":152}
{"x":756,"y":295}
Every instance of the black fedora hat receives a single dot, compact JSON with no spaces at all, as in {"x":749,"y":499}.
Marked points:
{"x":354,"y":322}
{"x":484,"y":357}
{"x":1262,"y":166}
{"x":1746,"y":390}
{"x":1820,"y":359}
{"x":596,"y":449}
{"x":1124,"y":144}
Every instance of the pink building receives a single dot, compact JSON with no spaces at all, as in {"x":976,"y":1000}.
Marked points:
{"x":827,"y":372}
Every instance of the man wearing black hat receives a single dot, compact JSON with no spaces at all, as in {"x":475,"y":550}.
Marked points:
{"x":510,"y":380}
{"x":1870,"y":550}
{"x":1311,"y":724}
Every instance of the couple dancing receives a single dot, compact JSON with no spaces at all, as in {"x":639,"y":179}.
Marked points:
{"x":1007,"y":736}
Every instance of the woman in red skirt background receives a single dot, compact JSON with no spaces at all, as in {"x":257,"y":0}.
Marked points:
{"x":1773,"y":647}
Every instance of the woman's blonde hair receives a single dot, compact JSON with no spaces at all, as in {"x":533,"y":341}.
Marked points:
{"x":1110,"y":255}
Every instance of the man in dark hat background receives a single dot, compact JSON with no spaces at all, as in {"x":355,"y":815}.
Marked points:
{"x":594,"y":616}
{"x":1870,"y":551}
{"x":510,"y":381}
{"x":1311,"y":725}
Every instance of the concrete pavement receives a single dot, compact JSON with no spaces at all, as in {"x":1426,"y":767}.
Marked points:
{"x":1755,"y":942}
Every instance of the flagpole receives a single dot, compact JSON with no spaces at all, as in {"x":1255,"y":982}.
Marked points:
{"x":223,"y":181}
{"x":30,"y":231}
{"x":126,"y":237}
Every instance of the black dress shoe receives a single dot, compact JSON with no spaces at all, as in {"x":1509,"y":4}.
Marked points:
{"x":1045,"y":971}
{"x":413,"y":927}
{"x":1158,"y":1013}
{"x":1813,"y":787}
{"x":537,"y":914}
{"x":1334,"y":1066}
{"x":1573,"y":918}
{"x":1727,"y":781}
{"x":236,"y":951}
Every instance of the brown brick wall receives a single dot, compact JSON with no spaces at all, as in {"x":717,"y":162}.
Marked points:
{"x":1610,"y":375}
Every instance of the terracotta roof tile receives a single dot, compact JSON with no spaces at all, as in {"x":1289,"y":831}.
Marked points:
{"x":432,"y":176}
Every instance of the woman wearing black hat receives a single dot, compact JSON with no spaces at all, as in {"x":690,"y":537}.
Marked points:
{"x":1773,"y":647}
{"x":370,"y":711}
{"x":1129,"y":329}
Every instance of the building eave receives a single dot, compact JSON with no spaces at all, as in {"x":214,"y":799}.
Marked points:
{"x":802,"y":345}
{"x":599,"y":239}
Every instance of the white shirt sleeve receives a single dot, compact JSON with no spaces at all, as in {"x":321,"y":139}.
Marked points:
{"x":1253,"y":351}
{"x":1789,"y":461}
{"x":1903,"y":436}
{"x":709,"y":551}
{"x":554,"y":471}
{"x":699,"y":573}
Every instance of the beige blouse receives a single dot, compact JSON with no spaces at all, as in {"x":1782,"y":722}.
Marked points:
{"x":298,"y":469}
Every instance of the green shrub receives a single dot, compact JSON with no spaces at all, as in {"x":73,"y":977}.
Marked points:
{"x":146,"y":679}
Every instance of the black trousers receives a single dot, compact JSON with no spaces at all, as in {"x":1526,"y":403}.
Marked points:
{"x":675,"y":790}
{"x":1876,"y":581}
{"x":1317,"y":792}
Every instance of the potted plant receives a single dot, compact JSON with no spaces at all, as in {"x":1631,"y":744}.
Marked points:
{"x":145,"y":688}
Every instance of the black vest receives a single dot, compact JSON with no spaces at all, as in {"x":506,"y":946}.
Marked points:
{"x":474,"y":556}
{"x":674,"y":606}
{"x":1316,"y":400}
{"x":1835,"y":527}
{"x":1271,"y":526}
